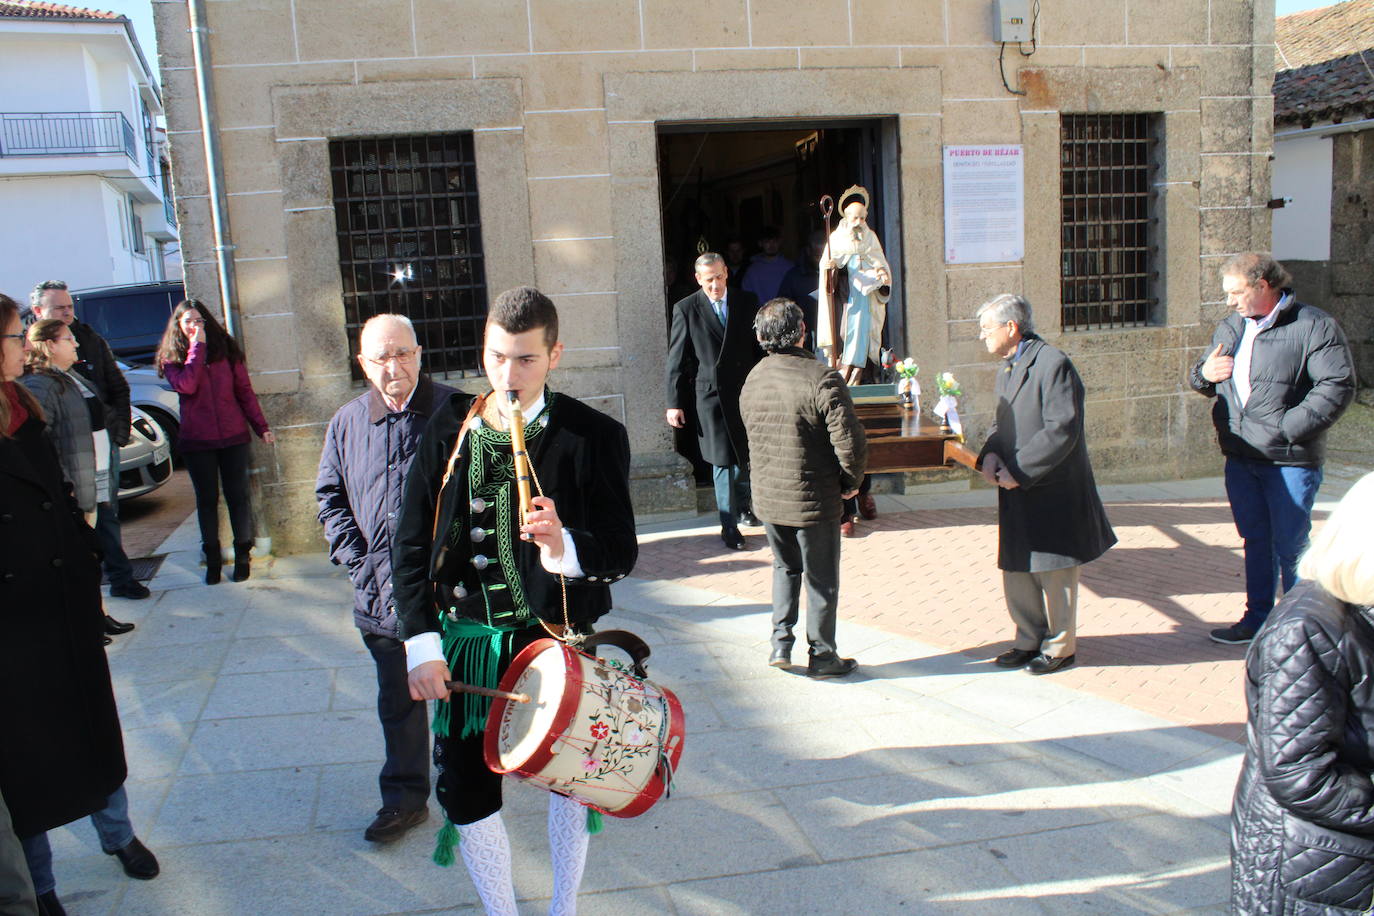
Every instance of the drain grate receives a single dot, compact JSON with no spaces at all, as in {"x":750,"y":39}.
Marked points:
{"x":144,"y":568}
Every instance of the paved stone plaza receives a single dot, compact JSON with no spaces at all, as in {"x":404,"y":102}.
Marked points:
{"x":929,"y":782}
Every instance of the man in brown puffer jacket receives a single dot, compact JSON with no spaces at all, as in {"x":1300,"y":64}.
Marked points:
{"x":807,"y":451}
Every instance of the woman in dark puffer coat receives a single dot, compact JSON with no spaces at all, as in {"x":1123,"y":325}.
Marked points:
{"x":1302,"y":826}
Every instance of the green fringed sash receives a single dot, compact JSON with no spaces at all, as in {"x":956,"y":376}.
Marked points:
{"x":444,"y":841}
{"x":473,"y":653}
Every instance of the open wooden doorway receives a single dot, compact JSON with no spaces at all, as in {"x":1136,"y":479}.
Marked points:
{"x":722,"y":183}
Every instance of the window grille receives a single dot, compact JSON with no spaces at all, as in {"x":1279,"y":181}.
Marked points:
{"x":410,"y":241}
{"x":1107,"y":223}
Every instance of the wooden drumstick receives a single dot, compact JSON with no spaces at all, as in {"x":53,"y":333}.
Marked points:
{"x":460,"y":687}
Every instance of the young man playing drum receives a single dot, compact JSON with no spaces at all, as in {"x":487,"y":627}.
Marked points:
{"x":474,"y":586}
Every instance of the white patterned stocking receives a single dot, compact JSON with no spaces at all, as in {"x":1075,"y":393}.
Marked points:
{"x":486,"y":853}
{"x":568,"y":840}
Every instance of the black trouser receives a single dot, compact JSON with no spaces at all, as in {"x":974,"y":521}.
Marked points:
{"x":118,"y":569}
{"x":466,"y":789}
{"x":404,"y":779}
{"x":812,"y":556}
{"x":211,"y":469}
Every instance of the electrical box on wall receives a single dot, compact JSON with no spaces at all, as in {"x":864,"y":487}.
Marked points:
{"x":1013,"y":20}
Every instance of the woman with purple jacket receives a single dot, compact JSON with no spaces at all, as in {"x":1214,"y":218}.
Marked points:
{"x":219,"y":413}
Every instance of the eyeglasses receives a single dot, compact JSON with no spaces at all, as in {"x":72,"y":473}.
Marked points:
{"x":403,"y":356}
{"x":985,"y":332}
{"x":12,"y":336}
{"x":193,"y":321}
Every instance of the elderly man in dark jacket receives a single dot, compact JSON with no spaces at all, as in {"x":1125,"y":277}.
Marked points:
{"x":367,"y":453}
{"x":50,"y":299}
{"x":809,"y":451}
{"x":1282,"y":374}
{"x":1050,"y":519}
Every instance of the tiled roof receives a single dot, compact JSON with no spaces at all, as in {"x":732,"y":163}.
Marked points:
{"x":1315,"y":36}
{"x":35,"y":9}
{"x":1324,"y":60}
{"x":1334,"y":90}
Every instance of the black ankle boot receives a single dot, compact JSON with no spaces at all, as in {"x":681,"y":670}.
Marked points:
{"x":241,"y":562}
{"x":214,"y":562}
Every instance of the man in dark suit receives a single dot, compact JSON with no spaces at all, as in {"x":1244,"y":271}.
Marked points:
{"x":1050,"y":519}
{"x":711,"y":348}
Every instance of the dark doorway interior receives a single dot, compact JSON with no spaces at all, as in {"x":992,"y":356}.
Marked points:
{"x":724,"y":182}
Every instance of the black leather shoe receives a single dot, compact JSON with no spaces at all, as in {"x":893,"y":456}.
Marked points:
{"x":49,"y":905}
{"x":732,"y":538}
{"x":1043,"y":664}
{"x":135,"y":590}
{"x":138,"y":860}
{"x":781,"y":658}
{"x":749,"y":519}
{"x":392,"y":823}
{"x":115,"y":627}
{"x":1014,"y":658}
{"x":830,"y":666}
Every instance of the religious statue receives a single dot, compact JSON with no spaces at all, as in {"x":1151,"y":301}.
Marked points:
{"x":851,"y":337}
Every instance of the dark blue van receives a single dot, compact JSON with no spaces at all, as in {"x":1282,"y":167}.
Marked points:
{"x":132,"y":318}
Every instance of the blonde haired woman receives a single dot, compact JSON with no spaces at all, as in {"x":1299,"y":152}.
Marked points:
{"x":76,"y":423}
{"x":75,"y":427}
{"x":1302,"y":826}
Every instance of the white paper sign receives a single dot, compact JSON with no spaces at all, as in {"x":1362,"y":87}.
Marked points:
{"x":985,"y":202}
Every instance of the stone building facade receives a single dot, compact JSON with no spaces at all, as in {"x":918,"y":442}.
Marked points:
{"x":569,"y":110}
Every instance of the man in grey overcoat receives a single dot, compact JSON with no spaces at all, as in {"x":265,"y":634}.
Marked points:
{"x":809,"y":453}
{"x":1050,"y":519}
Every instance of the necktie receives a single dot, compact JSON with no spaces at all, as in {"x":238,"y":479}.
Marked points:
{"x":719,"y":306}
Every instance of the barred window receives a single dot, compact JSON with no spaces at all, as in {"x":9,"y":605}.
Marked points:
{"x":410,"y":241}
{"x":1107,"y":223}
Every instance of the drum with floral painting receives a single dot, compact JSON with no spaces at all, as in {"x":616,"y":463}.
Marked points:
{"x":591,"y":730}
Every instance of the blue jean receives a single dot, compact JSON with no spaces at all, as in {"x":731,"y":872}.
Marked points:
{"x":1272,"y":508}
{"x":111,"y":825}
{"x":118,"y":569}
{"x":732,"y":493}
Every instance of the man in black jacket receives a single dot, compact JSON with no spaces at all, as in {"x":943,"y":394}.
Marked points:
{"x":50,"y":299}
{"x":474,"y":582}
{"x":1282,"y":374}
{"x":368,"y":448}
{"x":711,"y":348}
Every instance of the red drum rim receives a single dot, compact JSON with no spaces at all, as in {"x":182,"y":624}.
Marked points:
{"x":567,"y":708}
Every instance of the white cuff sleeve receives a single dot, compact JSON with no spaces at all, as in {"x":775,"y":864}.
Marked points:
{"x":424,"y":647}
{"x":568,"y":564}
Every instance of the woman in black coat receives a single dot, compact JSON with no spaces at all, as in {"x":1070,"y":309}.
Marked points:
{"x":61,"y":751}
{"x":1302,"y":827}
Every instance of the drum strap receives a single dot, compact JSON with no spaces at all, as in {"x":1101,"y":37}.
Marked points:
{"x":473,"y":653}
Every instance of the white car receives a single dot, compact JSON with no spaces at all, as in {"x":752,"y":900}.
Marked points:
{"x":145,"y":462}
{"x":154,"y":395}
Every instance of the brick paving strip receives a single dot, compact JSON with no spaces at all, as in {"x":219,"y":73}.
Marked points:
{"x":931,"y":575}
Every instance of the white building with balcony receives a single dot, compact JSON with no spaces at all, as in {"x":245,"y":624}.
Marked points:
{"x":84,"y":189}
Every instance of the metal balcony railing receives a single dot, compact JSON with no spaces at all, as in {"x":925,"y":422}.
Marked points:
{"x":170,"y":208}
{"x":66,"y":133}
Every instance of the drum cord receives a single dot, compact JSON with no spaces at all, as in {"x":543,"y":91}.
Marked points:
{"x":568,"y":636}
